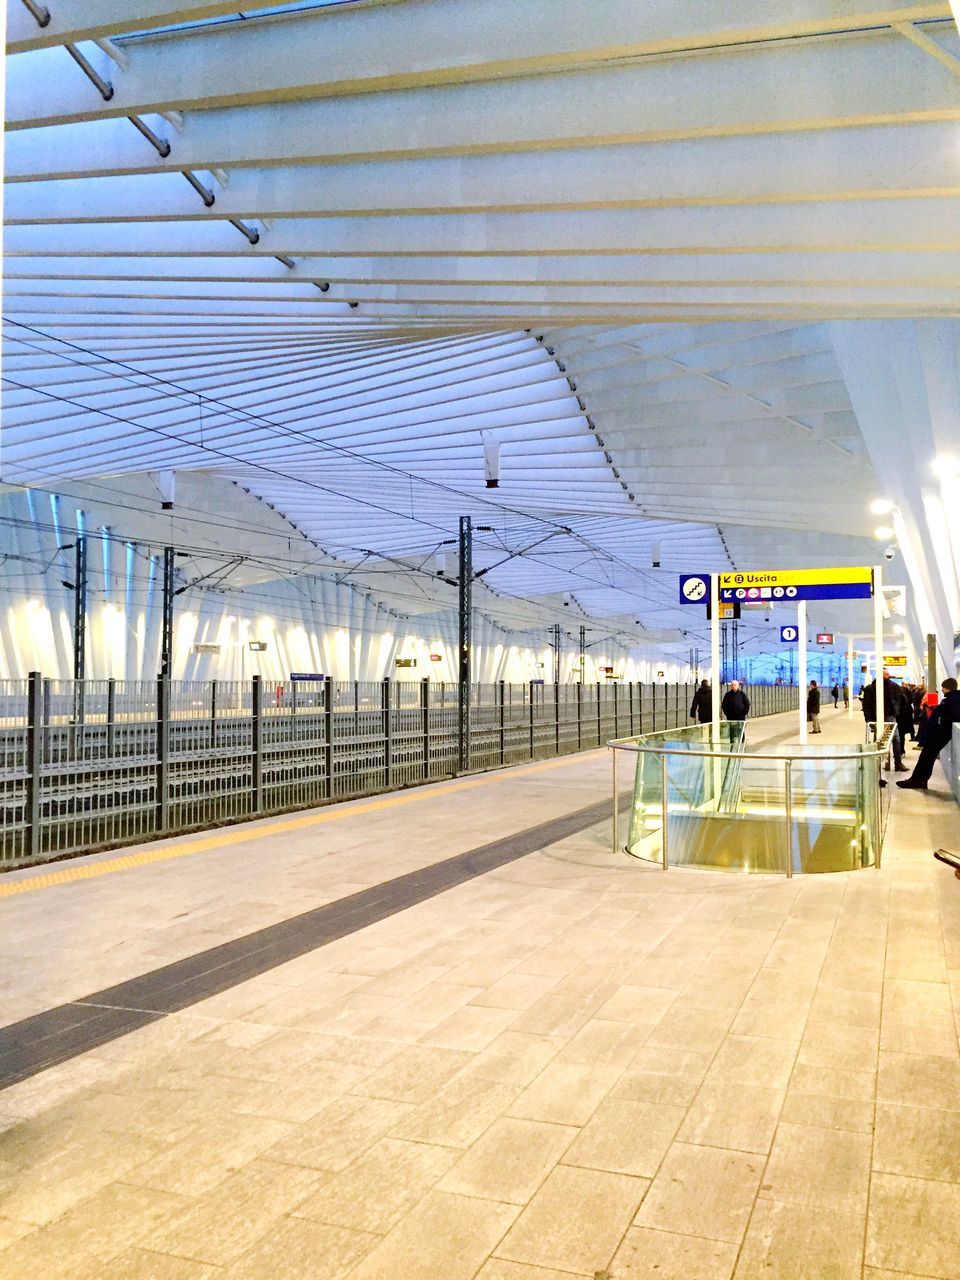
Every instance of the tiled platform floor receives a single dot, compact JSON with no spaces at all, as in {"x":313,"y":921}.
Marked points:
{"x":571,"y":1065}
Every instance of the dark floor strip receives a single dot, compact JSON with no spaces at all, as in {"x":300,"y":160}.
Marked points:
{"x":56,"y":1035}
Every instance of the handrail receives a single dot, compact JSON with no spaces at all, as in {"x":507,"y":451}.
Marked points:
{"x":861,"y":753}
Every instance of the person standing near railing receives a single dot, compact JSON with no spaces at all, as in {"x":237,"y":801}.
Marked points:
{"x":813,"y":707}
{"x":891,"y":709}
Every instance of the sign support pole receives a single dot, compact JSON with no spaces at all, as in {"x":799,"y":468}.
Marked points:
{"x":850,"y":676}
{"x":715,"y":658}
{"x":802,"y":677}
{"x":878,"y":643}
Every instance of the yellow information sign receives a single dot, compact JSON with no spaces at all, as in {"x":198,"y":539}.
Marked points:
{"x":895,"y":660}
{"x":797,"y":584}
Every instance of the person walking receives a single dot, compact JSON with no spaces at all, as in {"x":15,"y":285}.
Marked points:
{"x":846,"y":696}
{"x":735,"y":704}
{"x":813,"y":707}
{"x":835,"y":695}
{"x":701,"y":709}
{"x":905,"y":718}
{"x":939,"y":734}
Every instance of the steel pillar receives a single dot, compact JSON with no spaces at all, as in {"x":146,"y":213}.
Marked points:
{"x":465,"y":604}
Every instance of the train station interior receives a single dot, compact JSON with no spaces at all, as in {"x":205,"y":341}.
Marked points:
{"x":479,"y":637}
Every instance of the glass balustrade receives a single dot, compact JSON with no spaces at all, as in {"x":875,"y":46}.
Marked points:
{"x":711,"y":803}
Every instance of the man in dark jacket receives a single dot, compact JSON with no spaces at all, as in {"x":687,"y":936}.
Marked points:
{"x":891,"y":710}
{"x":939,"y":733}
{"x":813,"y":707}
{"x":735,"y":704}
{"x":701,"y":709}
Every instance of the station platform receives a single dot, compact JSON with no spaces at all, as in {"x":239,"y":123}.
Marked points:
{"x":448,"y":1034}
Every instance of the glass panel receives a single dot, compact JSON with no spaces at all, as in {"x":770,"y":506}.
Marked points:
{"x":734,"y":811}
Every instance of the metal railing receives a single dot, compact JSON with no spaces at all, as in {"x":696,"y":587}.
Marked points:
{"x":91,"y":764}
{"x":736,"y":754}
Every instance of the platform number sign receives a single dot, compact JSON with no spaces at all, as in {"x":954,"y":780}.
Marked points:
{"x":789,"y":635}
{"x":695,"y":588}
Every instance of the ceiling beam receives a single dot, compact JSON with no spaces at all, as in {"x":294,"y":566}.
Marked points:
{"x":869,"y":79}
{"x":73,"y":20}
{"x":348,"y":50}
{"x":889,"y":162}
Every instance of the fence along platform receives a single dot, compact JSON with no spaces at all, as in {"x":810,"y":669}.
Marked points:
{"x":86,"y":765}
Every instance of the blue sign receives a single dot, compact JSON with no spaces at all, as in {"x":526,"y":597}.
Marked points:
{"x":794,"y":594}
{"x":297,"y":677}
{"x":789,"y":635}
{"x":695,"y":588}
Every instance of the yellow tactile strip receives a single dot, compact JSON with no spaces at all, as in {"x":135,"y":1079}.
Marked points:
{"x":241,"y":833}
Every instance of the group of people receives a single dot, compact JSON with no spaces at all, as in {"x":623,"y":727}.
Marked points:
{"x":734,"y":705}
{"x":914,"y":713}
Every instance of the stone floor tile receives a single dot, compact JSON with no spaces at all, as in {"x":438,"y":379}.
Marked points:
{"x":510,"y":1160}
{"x":605,"y":1043}
{"x":302,"y":1250}
{"x":829,"y":1168}
{"x":691,"y":1027}
{"x":565,"y":1093}
{"x":637,"y":1004}
{"x":446,"y":1237}
{"x":99,"y":1227}
{"x":414,"y":1074}
{"x":935,"y":1036}
{"x":671,"y":1060}
{"x":828,"y":1113}
{"x":850,"y":1008}
{"x":575,"y":1221}
{"x":800,"y":1242}
{"x":913,"y":1225}
{"x":646,"y":1254}
{"x":144,"y":1264}
{"x":374,"y":1192}
{"x":500,"y":1269}
{"x":702,"y":1191}
{"x":214,"y":1150}
{"x":515,"y":1057}
{"x":741,"y":1117}
{"x":515,"y":991}
{"x":919,"y":1142}
{"x":11,"y":1231}
{"x":753,"y":1060}
{"x":220,"y":1226}
{"x":473,"y":1028}
{"x":555,"y":1015}
{"x":458,"y":1113}
{"x":833,"y":1046}
{"x":773,"y":1019}
{"x":337,"y":1135}
{"x":919,"y":1081}
{"x":821,"y":1081}
{"x":626,"y":1137}
{"x":647,"y":1086}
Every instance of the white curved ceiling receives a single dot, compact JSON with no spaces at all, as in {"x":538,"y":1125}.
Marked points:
{"x":326,"y":249}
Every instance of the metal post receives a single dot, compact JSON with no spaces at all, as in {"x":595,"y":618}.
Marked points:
{"x":616,"y":711}
{"x":630,"y":695}
{"x":425,"y":725}
{"x":932,"y":663}
{"x":583,"y":654}
{"x":579,"y":715}
{"x":163,"y":754}
{"x":878,"y":643}
{"x":556,"y":717}
{"x":166,"y":631}
{"x":616,"y":803}
{"x":715,"y":675}
{"x":556,"y":653}
{"x":80,"y":609}
{"x":328,"y":735}
{"x":46,"y":702}
{"x":802,"y":678}
{"x":788,"y":808}
{"x":599,"y":720}
{"x":530,"y":709}
{"x":501,"y":699}
{"x":385,"y":701}
{"x":465,"y":603}
{"x":111,"y":716}
{"x":664,"y":811}
{"x":213,"y":714}
{"x":256,"y":768}
{"x":34,"y":764}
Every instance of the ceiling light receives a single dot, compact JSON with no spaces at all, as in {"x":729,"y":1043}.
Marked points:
{"x":883,"y":532}
{"x":947,"y":462}
{"x":881,"y":506}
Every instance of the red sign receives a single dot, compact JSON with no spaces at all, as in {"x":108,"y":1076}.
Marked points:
{"x":436,"y":657}
{"x":825,"y":637}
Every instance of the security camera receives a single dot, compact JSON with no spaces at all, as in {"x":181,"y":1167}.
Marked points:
{"x":889,"y":553}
